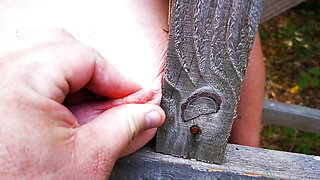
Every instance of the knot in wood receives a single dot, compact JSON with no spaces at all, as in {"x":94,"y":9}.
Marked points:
{"x":202,"y":102}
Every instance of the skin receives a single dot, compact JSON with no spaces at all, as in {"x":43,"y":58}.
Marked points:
{"x":66,"y":111}
{"x":49,"y":76}
{"x":40,"y":137}
{"x":246,"y":127}
{"x":127,"y":33}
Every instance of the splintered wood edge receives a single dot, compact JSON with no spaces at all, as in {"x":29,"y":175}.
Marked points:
{"x":241,"y":162}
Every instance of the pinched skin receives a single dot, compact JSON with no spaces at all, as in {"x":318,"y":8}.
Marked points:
{"x":131,"y":35}
{"x":86,"y":112}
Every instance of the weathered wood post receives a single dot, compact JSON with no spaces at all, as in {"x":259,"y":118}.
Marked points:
{"x":208,"y":50}
{"x":242,"y":162}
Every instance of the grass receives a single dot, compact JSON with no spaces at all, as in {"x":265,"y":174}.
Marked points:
{"x":287,"y":139}
{"x":291,"y":46}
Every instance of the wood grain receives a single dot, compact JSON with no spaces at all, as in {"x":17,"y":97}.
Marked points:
{"x":209,"y":43}
{"x":241,"y":163}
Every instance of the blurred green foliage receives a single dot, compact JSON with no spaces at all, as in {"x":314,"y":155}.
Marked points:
{"x":291,"y":44}
{"x":310,"y":78}
{"x":298,"y":39}
{"x":298,"y":35}
{"x":287,"y":139}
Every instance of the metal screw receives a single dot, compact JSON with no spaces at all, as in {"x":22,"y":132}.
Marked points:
{"x":194,"y":129}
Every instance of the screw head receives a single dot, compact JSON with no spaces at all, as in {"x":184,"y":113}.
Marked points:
{"x":194,"y":129}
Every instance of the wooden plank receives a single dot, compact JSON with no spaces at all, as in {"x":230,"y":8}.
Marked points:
{"x":209,"y":43}
{"x":241,"y":162}
{"x":293,"y":116}
{"x":275,"y":7}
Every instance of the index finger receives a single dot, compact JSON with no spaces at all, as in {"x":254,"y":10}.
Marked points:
{"x":63,"y":65}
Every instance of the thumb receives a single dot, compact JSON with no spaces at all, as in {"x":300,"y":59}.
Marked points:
{"x":113,"y":130}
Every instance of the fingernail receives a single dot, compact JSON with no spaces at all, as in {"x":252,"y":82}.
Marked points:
{"x":152,"y":119}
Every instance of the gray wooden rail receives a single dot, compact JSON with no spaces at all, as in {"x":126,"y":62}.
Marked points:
{"x":275,"y":7}
{"x":241,"y":163}
{"x":293,"y":116}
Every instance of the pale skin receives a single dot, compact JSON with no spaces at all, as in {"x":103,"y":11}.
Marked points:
{"x":40,"y":137}
{"x":49,"y":129}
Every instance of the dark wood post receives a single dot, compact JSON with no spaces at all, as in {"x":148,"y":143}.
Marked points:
{"x":209,"y":45}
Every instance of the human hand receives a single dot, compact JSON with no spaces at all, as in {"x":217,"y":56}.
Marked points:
{"x":130,"y":34}
{"x":40,"y":137}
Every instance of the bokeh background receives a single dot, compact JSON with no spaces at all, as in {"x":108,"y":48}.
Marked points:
{"x":291,"y":47}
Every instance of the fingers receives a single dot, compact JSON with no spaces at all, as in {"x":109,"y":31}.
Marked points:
{"x":108,"y":81}
{"x":60,"y":64}
{"x":84,"y":67}
{"x":115,"y":129}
